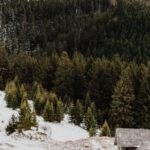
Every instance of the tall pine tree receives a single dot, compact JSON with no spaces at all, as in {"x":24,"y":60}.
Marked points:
{"x":48,"y":112}
{"x":90,"y":121}
{"x":77,"y":112}
{"x":105,"y":130}
{"x":11,"y":94}
{"x":27,"y":119}
{"x":122,"y":104}
{"x":59,"y":110}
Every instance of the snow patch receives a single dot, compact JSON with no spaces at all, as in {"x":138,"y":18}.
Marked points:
{"x":63,"y":131}
{"x":48,"y":136}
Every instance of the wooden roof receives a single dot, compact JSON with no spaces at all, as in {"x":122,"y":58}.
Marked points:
{"x":131,"y":137}
{"x":144,"y":146}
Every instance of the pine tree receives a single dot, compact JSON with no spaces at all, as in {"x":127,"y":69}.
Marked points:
{"x":34,"y":122}
{"x":93,"y":108}
{"x":122,"y":104}
{"x":92,"y":131}
{"x":11,"y":94}
{"x":77,"y":113}
{"x":4,"y":65}
{"x":79,"y":81}
{"x":105,"y":130}
{"x":90,"y":121}
{"x":87,"y":100}
{"x":59,"y":111}
{"x":48,"y":112}
{"x":53,"y":98}
{"x":21,"y":91}
{"x":141,"y":107}
{"x":12,"y":126}
{"x":40,"y":100}
{"x":63,"y":76}
{"x":35,"y":88}
{"x":67,"y":103}
{"x":25,"y":115}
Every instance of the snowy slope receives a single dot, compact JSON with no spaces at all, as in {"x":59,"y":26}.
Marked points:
{"x":63,"y":131}
{"x":49,"y":136}
{"x":5,"y":113}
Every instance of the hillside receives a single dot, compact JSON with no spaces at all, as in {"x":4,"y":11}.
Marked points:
{"x":83,"y":25}
{"x":73,"y":69}
{"x":50,"y":136}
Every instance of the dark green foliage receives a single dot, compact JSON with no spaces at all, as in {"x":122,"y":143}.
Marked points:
{"x":63,"y":75}
{"x":105,"y":130}
{"x":4,"y":71}
{"x":11,"y":94}
{"x":122,"y":104}
{"x":59,"y":110}
{"x":77,"y":113}
{"x":104,"y":75}
{"x":14,"y":93}
{"x":87,"y":100}
{"x":99,"y":82}
{"x":85,"y":25}
{"x":79,"y":80}
{"x":34,"y":122}
{"x":141,"y":105}
{"x":53,"y":109}
{"x":90,"y":121}
{"x":92,"y":131}
{"x":48,"y":112}
{"x":79,"y":49}
{"x":39,"y":100}
{"x":12,"y":126}
{"x":20,"y":94}
{"x":27,"y":119}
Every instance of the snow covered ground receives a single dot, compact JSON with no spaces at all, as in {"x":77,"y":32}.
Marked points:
{"x":49,"y":136}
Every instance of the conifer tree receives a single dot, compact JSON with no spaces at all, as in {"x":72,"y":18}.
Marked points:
{"x":21,"y":91}
{"x":25,"y":115}
{"x":87,"y":100}
{"x":35,"y":88}
{"x":79,"y":81}
{"x":11,"y":94}
{"x":63,"y":76}
{"x":105,"y":130}
{"x":141,"y":107}
{"x":93,"y":108}
{"x":67,"y":103}
{"x":92,"y":131}
{"x":77,"y":113}
{"x":90,"y":121}
{"x":12,"y":126}
{"x":34,"y":122}
{"x":122,"y":104}
{"x":48,"y":112}
{"x":59,"y":111}
{"x":53,"y":98}
{"x":3,"y":67}
{"x":40,"y":100}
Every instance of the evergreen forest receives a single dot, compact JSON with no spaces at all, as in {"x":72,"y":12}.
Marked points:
{"x":87,"y":58}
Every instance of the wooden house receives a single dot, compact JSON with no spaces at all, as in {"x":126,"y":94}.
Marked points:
{"x":144,"y":146}
{"x":131,"y":139}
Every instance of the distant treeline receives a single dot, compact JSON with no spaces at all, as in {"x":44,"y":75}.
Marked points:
{"x":88,"y":26}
